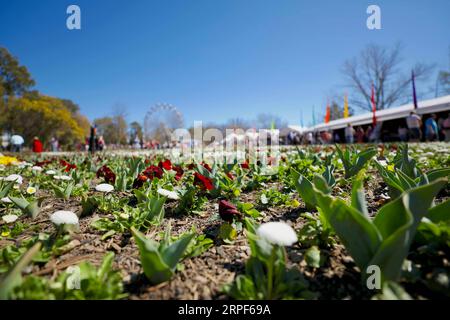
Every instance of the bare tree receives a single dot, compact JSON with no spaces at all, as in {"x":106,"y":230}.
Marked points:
{"x":237,"y":123}
{"x":381,"y":67}
{"x":266,"y":120}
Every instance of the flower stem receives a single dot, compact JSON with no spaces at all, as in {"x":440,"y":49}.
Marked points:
{"x":270,"y":267}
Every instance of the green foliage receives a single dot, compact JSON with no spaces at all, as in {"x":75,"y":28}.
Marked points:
{"x":316,"y":231}
{"x":266,"y":275}
{"x":13,"y":277}
{"x":392,"y":291}
{"x":399,"y":182}
{"x":306,"y":190}
{"x":354,"y":161}
{"x":385,"y":241}
{"x":14,"y":78}
{"x":5,"y":188}
{"x":405,"y":163}
{"x":64,"y":191}
{"x":29,"y":208}
{"x":190,"y":201}
{"x":159,"y":260}
{"x":101,"y":283}
{"x":273,"y":197}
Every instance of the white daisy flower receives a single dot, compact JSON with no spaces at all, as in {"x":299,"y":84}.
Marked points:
{"x":15,"y":177}
{"x":31,"y":190}
{"x":279,"y":233}
{"x":383,"y":163}
{"x":104,"y":187}
{"x":64,"y":178}
{"x":6,"y":200}
{"x":10,"y":218}
{"x":62,"y":217}
{"x":50,"y":172}
{"x":168,"y":194}
{"x":37,"y":168}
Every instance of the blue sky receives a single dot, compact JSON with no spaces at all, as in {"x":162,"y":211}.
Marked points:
{"x":213,"y":59}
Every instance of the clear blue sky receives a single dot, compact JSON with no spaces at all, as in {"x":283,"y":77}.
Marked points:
{"x":213,"y":59}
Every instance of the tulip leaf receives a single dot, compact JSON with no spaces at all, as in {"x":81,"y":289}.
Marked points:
{"x":13,"y":277}
{"x":439,"y":213}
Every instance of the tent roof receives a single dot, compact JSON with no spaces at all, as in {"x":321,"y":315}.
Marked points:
{"x":424,"y":107}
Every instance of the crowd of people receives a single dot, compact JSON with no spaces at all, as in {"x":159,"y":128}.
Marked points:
{"x":16,"y":143}
{"x":413,"y":129}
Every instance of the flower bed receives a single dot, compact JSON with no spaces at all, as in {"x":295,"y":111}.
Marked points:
{"x":360,"y":222}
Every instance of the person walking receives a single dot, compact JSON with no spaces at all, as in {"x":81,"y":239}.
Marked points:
{"x":431,"y":128}
{"x":360,"y":135}
{"x":101,"y":143}
{"x":402,"y":133}
{"x":16,"y":143}
{"x":37,"y":145}
{"x":446,"y":128}
{"x":349,"y":133}
{"x":54,"y":144}
{"x":92,"y":139}
{"x":414,"y":122}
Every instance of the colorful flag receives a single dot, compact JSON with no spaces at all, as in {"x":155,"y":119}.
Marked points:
{"x":272,"y":126}
{"x":328,"y":113}
{"x":314,"y":116}
{"x":345,"y":106}
{"x":413,"y":80}
{"x":374,"y":107}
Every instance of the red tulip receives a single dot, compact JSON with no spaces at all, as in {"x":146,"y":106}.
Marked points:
{"x":228,"y":211}
{"x":203,"y":182}
{"x":166,"y":164}
{"x":106,"y":173}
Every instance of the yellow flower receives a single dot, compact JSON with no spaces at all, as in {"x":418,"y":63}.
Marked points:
{"x":390,"y":167}
{"x":31,"y":190}
{"x":5,"y":233}
{"x":5,"y":160}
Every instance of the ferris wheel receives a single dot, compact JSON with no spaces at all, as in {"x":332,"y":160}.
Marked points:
{"x":161,"y":120}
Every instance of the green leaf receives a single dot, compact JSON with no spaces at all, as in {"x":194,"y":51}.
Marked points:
{"x":155,"y":268}
{"x":439,"y":213}
{"x":398,"y":222}
{"x":313,"y":257}
{"x":356,"y":231}
{"x":305,"y":190}
{"x":175,"y":251}
{"x":358,"y":196}
{"x":4,"y":190}
{"x":30,"y":209}
{"x":13,"y":277}
{"x":392,"y":291}
{"x":438,"y":173}
{"x":227,"y":233}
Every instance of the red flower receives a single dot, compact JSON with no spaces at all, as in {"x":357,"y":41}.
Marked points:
{"x":43,"y":163}
{"x":228,"y":211}
{"x":148,"y":174}
{"x":153,"y":172}
{"x":66,"y":164}
{"x":203,"y":182}
{"x":206,"y":166}
{"x":106,"y":173}
{"x":139,"y":181}
{"x":166,"y":164}
{"x":229,"y":175}
{"x":179,"y":172}
{"x":245,"y":165}
{"x":191,"y":166}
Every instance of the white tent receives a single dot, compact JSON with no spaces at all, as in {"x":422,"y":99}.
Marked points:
{"x":424,"y":107}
